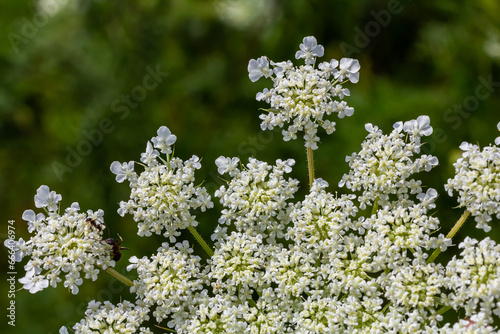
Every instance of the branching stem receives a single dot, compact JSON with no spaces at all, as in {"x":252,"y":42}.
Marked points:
{"x":310,"y":166}
{"x":119,"y":276}
{"x":201,"y":241}
{"x":450,"y":235}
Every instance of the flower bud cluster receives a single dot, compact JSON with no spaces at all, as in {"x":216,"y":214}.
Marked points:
{"x":302,"y":97}
{"x":63,"y":247}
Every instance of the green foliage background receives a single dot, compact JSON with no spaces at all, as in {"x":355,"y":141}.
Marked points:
{"x":62,"y":71}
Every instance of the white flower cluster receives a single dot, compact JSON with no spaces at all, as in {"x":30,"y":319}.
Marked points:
{"x":477,"y":181}
{"x":474,"y":279}
{"x":351,"y":263}
{"x":303,"y":96}
{"x":338,"y":271}
{"x":164,"y":194}
{"x":255,"y":198}
{"x":168,"y":282}
{"x":476,"y":324}
{"x":383,"y":167}
{"x":108,"y":318}
{"x":62,"y":245}
{"x":345,"y":273}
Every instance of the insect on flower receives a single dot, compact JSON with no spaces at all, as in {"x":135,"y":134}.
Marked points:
{"x":92,"y":222}
{"x":117,"y":255}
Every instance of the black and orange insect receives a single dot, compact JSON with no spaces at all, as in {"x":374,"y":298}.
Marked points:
{"x":117,"y":255}
{"x":92,"y":222}
{"x":116,"y":248}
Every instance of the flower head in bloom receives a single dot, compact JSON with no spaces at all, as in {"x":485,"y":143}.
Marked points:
{"x":173,"y":275}
{"x":477,"y":181}
{"x":348,"y":69}
{"x":258,"y":68}
{"x":302,"y":97}
{"x":125,"y":317}
{"x":324,"y":263}
{"x":164,"y":140}
{"x":383,"y":168}
{"x":63,"y":247}
{"x":255,"y":200}
{"x":164,"y":194}
{"x":123,"y":171}
{"x":227,"y":165}
{"x":309,"y":50}
{"x":46,"y":198}
{"x":474,"y":279}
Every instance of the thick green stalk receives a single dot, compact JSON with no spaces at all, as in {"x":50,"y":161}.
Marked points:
{"x":200,"y":240}
{"x":310,"y":166}
{"x":119,"y":276}
{"x":450,"y":235}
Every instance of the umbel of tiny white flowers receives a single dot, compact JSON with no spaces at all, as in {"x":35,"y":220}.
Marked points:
{"x":169,"y":282}
{"x":125,"y":317}
{"x":319,"y":265}
{"x":302,"y":97}
{"x":383,"y":168}
{"x":477,"y":181}
{"x":164,"y":195}
{"x":473,"y":279}
{"x":63,"y":246}
{"x":255,"y":200}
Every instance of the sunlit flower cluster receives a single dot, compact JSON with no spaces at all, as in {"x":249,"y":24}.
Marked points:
{"x":168,"y":282}
{"x":255,"y":200}
{"x":383,"y":168}
{"x":302,"y":97}
{"x":63,"y":247}
{"x":477,"y":181}
{"x":108,"y":318}
{"x":281,"y":262}
{"x":164,"y":195}
{"x":474,"y":279}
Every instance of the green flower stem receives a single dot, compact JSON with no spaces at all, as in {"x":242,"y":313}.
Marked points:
{"x":443,"y":310}
{"x":252,"y":303}
{"x":310,"y":166}
{"x":166,"y":329}
{"x":459,"y":224}
{"x":200,"y":240}
{"x":450,"y":235}
{"x":375,"y":206}
{"x":119,"y":276}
